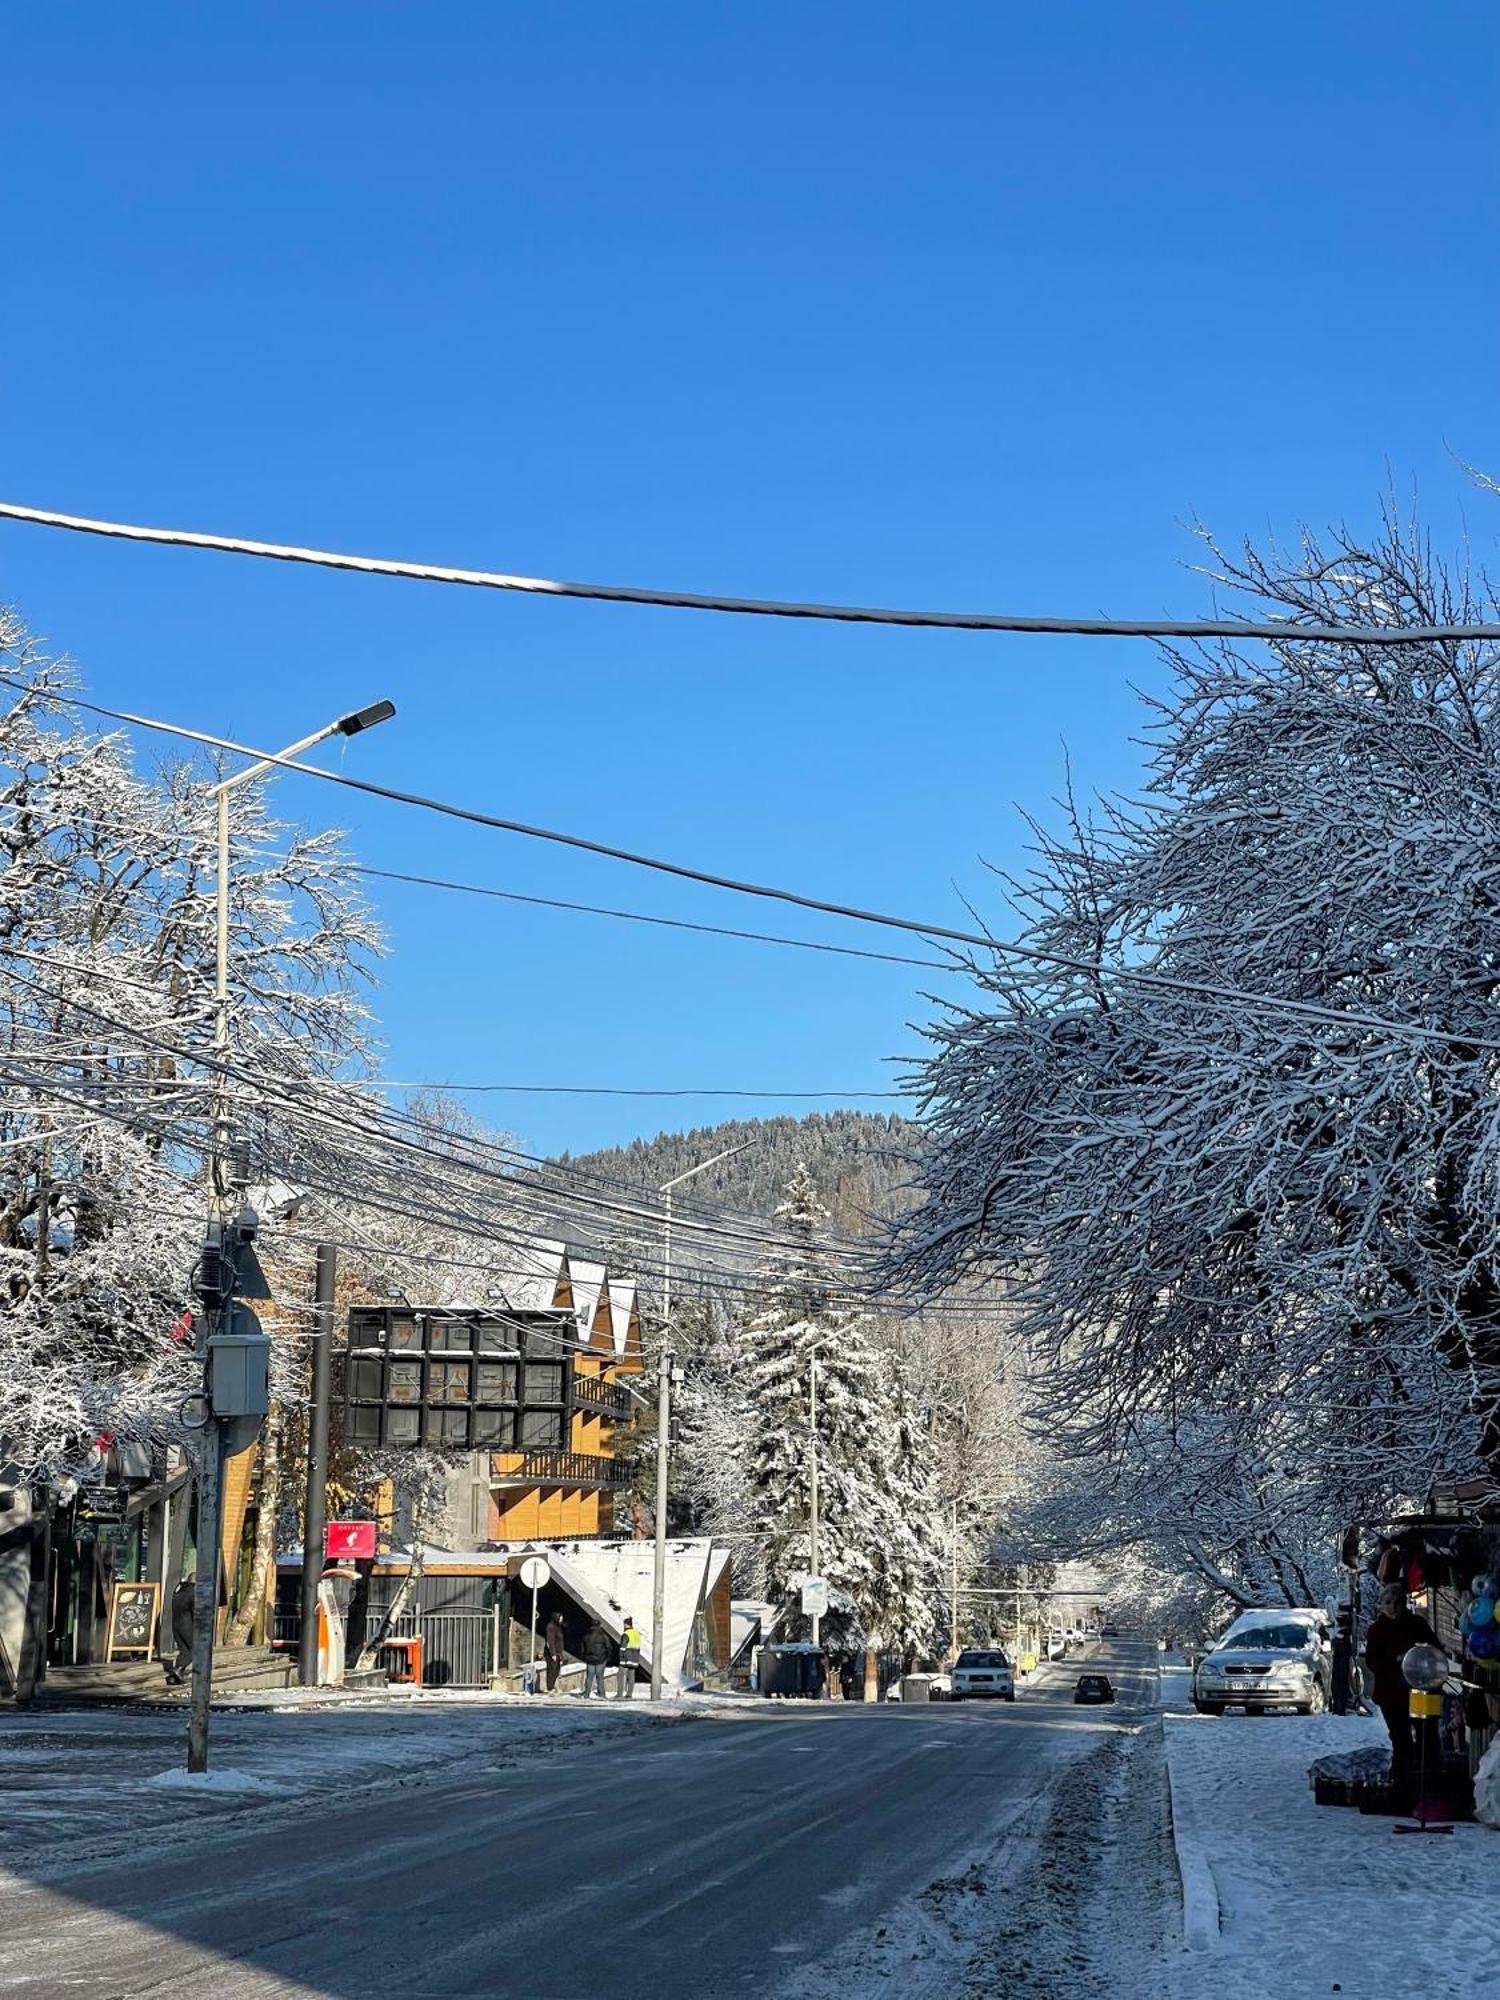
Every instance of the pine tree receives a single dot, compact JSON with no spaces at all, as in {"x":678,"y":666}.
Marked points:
{"x":868,"y":1547}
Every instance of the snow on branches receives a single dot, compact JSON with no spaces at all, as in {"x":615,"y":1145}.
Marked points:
{"x":1240,"y":1155}
{"x":106,"y":983}
{"x":877,"y":1511}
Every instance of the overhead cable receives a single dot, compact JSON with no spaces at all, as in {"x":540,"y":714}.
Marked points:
{"x":1269,"y":1003}
{"x":761,"y":607}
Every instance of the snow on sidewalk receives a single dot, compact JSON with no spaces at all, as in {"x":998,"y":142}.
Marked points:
{"x":1320,"y":1899}
{"x":93,"y":1776}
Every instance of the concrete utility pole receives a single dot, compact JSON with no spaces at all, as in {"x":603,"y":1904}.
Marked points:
{"x":666,"y":1367}
{"x":812,"y":1484}
{"x":315,"y":1508}
{"x":220,"y":1314}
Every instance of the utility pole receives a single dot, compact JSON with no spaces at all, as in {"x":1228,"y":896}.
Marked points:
{"x":664,"y":1366}
{"x":239,"y":1393}
{"x":206,"y":1580}
{"x":953,"y":1593}
{"x":315,"y":1507}
{"x":812,"y":1484}
{"x":665,"y":1376}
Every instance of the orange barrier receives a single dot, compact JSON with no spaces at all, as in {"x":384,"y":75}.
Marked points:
{"x":409,"y":1651}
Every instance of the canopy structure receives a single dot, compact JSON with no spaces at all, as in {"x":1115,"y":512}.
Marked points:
{"x":613,"y":1581}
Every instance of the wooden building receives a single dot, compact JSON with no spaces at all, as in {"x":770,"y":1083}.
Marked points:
{"x":566,"y":1491}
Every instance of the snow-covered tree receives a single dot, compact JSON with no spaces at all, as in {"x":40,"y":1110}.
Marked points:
{"x":1231,"y":1134}
{"x":106,"y":981}
{"x":815,"y":1379}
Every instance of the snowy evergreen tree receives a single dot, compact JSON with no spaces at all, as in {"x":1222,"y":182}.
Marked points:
{"x":873,"y":1472}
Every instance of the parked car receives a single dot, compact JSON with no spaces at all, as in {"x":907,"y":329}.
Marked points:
{"x":1274,"y":1658}
{"x":1110,"y":1632}
{"x":982,"y":1675}
{"x":1097,"y":1688}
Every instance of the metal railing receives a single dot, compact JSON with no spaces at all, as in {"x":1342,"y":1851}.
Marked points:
{"x":561,"y":1468}
{"x":459,"y":1648}
{"x":605,"y":1399}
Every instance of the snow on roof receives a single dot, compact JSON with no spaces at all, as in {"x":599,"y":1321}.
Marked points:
{"x":622,"y":1293}
{"x":536,"y":1268}
{"x":744,"y":1626}
{"x":588,"y":1290}
{"x":613,"y":1581}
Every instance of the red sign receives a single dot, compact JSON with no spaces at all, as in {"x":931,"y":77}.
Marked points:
{"x":350,"y":1541}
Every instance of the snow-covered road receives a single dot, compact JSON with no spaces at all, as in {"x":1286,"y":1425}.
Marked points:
{"x":764,"y":1849}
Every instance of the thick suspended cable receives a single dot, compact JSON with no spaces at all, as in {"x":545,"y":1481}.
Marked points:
{"x":1270,"y":1003}
{"x":761,"y":607}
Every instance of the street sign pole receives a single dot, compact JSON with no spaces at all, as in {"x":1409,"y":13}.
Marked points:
{"x":536,"y":1574}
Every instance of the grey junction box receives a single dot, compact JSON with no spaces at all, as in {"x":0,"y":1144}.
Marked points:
{"x":239,"y":1370}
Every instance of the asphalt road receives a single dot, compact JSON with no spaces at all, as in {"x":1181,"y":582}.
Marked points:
{"x":712,"y":1858}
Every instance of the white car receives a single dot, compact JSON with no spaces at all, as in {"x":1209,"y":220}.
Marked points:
{"x":982,"y":1674}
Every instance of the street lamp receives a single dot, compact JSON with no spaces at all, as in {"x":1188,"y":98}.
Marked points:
{"x":347,"y":725}
{"x":665,"y":1376}
{"x":211,"y":1446}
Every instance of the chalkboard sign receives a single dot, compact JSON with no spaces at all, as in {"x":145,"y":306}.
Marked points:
{"x":132,"y":1620}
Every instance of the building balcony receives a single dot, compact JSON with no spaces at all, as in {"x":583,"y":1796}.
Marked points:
{"x":558,"y":1468}
{"x":600,"y":1398}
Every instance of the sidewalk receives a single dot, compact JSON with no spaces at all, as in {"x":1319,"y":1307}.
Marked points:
{"x":1283,"y":1896}
{"x":92,"y":1777}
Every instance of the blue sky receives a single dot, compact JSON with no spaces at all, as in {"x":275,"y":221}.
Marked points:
{"x":971,"y":306}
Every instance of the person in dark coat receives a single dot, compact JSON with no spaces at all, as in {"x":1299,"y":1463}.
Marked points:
{"x":595,"y":1661}
{"x":554,"y":1646}
{"x":1394,"y":1630}
{"x":176,"y":1670}
{"x":846,"y":1677}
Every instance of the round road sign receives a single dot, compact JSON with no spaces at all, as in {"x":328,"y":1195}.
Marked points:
{"x":536,"y":1573}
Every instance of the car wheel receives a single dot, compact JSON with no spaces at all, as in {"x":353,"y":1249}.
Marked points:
{"x":1314,"y":1707}
{"x":1209,"y":1707}
{"x":1011,"y":1696}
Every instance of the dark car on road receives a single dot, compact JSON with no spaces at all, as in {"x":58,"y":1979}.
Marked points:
{"x":1097,"y":1688}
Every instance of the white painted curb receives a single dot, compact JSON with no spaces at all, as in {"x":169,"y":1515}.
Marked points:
{"x":1200,"y":1896}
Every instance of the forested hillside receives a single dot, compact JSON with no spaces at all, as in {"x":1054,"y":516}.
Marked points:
{"x":857,"y":1160}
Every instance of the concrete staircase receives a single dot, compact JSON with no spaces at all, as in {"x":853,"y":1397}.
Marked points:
{"x":236,"y":1668}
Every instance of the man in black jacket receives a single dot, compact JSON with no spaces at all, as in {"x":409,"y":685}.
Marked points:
{"x":554,"y":1646}
{"x":595,"y":1660}
{"x":176,"y":1670}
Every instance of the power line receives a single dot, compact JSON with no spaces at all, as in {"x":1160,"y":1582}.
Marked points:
{"x":638,"y":917}
{"x":763,"y":607}
{"x":725,"y":1229}
{"x":624,"y":1090}
{"x":1027,"y":954}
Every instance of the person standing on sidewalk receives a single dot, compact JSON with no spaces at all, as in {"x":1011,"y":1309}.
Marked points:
{"x":1393,"y":1631}
{"x":630,"y":1657}
{"x":595,"y":1660}
{"x":176,"y":1670}
{"x":554,"y":1647}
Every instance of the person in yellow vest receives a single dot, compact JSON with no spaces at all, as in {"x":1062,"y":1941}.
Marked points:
{"x":630,"y":1657}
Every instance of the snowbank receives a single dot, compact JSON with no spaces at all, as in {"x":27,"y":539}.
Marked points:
{"x":1319,"y":1899}
{"x":214,"y":1781}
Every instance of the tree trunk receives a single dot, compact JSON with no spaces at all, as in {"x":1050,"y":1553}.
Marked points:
{"x":263,"y":1559}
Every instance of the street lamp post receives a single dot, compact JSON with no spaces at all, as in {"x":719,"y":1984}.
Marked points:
{"x":211,"y":1445}
{"x":665,"y":1379}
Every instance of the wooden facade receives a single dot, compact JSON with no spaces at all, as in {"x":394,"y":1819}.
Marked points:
{"x":569,"y":1495}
